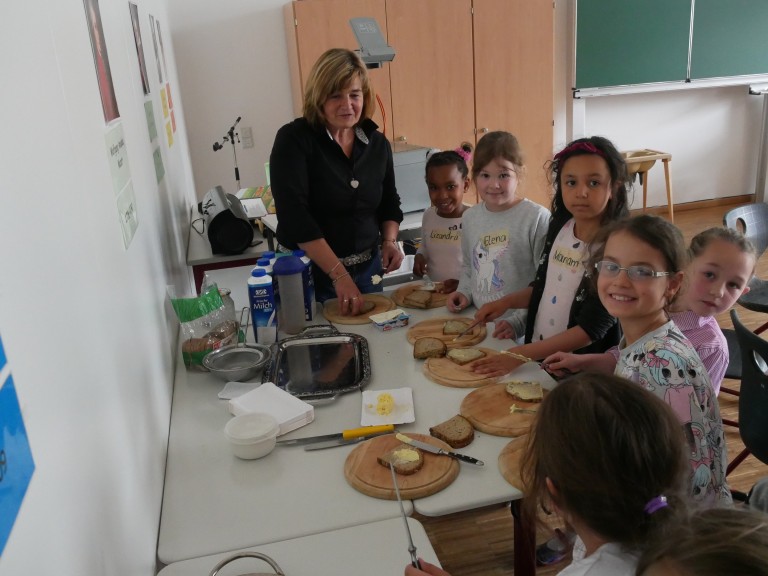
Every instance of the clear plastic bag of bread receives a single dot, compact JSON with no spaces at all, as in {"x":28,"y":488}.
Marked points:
{"x":206,"y":324}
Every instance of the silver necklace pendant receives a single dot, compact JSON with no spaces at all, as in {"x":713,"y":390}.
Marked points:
{"x":354,"y":183}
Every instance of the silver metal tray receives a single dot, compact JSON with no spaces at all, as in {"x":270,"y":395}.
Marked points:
{"x":319,"y":364}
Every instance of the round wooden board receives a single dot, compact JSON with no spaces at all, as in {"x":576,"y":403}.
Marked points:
{"x":381,"y":304}
{"x":434,"y":327}
{"x":437,"y":301}
{"x":487,"y":408}
{"x":366,"y":475}
{"x":509,"y":461}
{"x":446,"y":372}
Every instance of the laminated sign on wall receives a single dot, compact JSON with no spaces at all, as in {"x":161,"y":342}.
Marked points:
{"x":16,"y":464}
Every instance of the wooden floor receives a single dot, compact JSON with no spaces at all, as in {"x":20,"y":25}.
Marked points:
{"x":480,"y":542}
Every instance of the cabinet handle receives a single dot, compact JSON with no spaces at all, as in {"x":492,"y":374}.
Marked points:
{"x":402,"y":139}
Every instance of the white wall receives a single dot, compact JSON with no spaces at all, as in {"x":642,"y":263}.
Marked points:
{"x":88,"y":337}
{"x":233,"y":62}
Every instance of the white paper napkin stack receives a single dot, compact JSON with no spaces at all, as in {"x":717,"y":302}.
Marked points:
{"x":289,"y":411}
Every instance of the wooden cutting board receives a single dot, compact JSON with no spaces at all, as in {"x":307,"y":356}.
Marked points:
{"x":381,"y":304}
{"x":437,"y":300}
{"x":487,"y":408}
{"x":434,"y":327}
{"x":509,"y":461}
{"x":446,"y":372}
{"x":366,"y":475}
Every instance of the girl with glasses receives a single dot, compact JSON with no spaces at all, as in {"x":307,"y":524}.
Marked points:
{"x":639,"y":269}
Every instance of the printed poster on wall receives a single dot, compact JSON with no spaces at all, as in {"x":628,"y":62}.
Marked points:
{"x":139,"y":46}
{"x":149,"y":112}
{"x":101,"y":61}
{"x":129,"y":216}
{"x":16,"y":462}
{"x":157,"y":53}
{"x":122,"y":184}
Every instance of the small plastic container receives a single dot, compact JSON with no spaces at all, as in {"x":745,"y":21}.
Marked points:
{"x":252,"y":435}
{"x":389,"y":320}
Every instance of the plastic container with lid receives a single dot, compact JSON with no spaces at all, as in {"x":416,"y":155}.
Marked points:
{"x":289,"y":299}
{"x":308,"y":284}
{"x":252,"y":435}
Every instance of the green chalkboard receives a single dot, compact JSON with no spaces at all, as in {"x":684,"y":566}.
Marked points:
{"x":639,"y":42}
{"x":730,"y":38}
{"x":622,"y":42}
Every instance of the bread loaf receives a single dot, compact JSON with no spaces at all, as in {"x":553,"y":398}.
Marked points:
{"x":429,"y":347}
{"x":404,"y":459}
{"x":456,"y":432}
{"x":455,"y":327}
{"x":465,"y":355}
{"x":525,"y":391}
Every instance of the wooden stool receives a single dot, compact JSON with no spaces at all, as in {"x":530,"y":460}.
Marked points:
{"x":641,"y":161}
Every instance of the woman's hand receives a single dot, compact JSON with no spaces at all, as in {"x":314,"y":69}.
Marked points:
{"x":391,"y":257}
{"x":419,"y":265}
{"x":496,"y":365}
{"x":447,"y":286}
{"x":503,"y":330}
{"x":491,"y":311}
{"x":427,"y":569}
{"x":350,"y":300}
{"x":456,"y":302}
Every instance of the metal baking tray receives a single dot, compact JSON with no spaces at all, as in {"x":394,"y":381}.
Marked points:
{"x":319,"y":364}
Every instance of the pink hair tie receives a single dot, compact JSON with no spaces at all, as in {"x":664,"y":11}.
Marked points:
{"x":579,"y":147}
{"x":466,"y":156}
{"x":655,"y":504}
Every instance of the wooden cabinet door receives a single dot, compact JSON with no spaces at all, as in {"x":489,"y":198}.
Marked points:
{"x":514,"y":68}
{"x":314,"y":26}
{"x":431,"y":75}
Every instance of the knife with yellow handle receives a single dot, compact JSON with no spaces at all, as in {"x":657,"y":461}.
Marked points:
{"x":344,"y":435}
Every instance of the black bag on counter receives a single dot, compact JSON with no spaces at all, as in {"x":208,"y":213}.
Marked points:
{"x":229,"y":230}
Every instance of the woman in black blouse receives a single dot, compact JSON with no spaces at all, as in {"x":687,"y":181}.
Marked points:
{"x":333,"y":183}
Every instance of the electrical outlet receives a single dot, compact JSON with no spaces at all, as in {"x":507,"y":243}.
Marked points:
{"x":246,"y":136}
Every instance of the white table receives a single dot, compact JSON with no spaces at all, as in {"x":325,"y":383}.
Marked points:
{"x":376,"y":549}
{"x":214,"y":502}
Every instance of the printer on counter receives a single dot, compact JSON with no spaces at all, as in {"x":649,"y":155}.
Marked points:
{"x":410,"y":165}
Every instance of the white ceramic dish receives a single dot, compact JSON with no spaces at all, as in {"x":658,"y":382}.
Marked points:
{"x":252,"y":435}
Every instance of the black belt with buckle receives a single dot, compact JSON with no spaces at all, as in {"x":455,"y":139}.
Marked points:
{"x":353,"y":259}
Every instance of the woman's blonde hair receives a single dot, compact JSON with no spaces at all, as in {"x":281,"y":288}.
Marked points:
{"x":333,"y":72}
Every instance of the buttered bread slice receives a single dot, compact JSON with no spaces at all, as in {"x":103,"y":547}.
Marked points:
{"x":525,"y":391}
{"x":404,"y":459}
{"x":465,"y":355}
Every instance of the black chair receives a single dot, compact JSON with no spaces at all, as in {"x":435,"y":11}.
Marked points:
{"x":753,"y":398}
{"x":752,"y":221}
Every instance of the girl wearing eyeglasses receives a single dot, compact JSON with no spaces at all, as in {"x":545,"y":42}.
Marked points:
{"x":639,"y":272}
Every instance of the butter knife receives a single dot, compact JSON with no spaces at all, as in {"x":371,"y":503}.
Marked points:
{"x":339,"y":442}
{"x":435,"y":450}
{"x":411,"y":547}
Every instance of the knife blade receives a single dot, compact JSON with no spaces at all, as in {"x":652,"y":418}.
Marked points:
{"x":467,"y":329}
{"x":435,"y":450}
{"x":344,"y":435}
{"x":339,"y":442}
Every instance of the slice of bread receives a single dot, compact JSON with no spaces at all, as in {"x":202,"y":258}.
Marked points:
{"x":418,"y":299}
{"x":429,"y":347}
{"x":456,"y":432}
{"x":455,"y":327}
{"x":465,"y":355}
{"x":525,"y":391}
{"x":405,"y":459}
